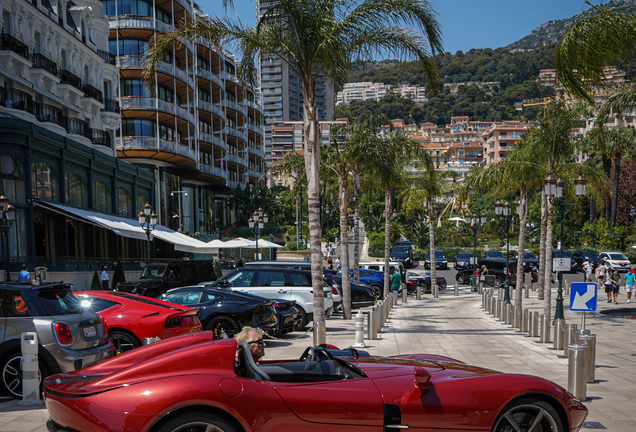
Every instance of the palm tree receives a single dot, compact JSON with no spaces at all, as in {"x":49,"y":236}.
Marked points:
{"x":319,"y":37}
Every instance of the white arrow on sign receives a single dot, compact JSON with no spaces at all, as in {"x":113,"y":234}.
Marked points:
{"x":581,"y":300}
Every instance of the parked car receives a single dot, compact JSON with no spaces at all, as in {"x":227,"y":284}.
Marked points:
{"x":529,"y":259}
{"x":225,"y":310}
{"x":422,"y":279}
{"x":463,"y":260}
{"x":226,"y":391}
{"x":361,"y":296}
{"x":374,"y":280}
{"x":440,"y":261}
{"x":496,"y":267}
{"x":558,"y":253}
{"x":494,"y":254}
{"x":281,"y":283}
{"x":402,"y":254}
{"x":616,"y":260}
{"x":379,"y":266}
{"x":158,"y":278}
{"x":69,"y":336}
{"x":581,"y":255}
{"x":131,"y":318}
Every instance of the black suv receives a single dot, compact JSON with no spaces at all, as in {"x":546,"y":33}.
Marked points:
{"x":402,"y":253}
{"x":496,"y":267}
{"x":157,"y":278}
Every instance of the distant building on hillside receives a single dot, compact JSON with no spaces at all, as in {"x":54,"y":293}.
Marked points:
{"x":361,"y":91}
{"x":500,"y":138}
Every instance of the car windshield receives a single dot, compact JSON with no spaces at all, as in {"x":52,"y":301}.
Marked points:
{"x":529,"y":255}
{"x":494,"y":254}
{"x":561,"y":254}
{"x":438,"y":254}
{"x":153,"y":272}
{"x":59,"y":302}
{"x":400,"y":250}
{"x":464,"y":255}
{"x":590,"y":254}
{"x":617,"y":256}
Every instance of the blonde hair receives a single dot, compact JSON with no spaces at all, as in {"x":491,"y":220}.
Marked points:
{"x":245,"y":336}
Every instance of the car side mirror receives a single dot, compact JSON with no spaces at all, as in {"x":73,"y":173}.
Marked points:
{"x":422,"y":378}
{"x":224,"y":284}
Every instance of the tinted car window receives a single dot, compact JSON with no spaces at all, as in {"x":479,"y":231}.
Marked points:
{"x":16,"y":306}
{"x":174,"y":272}
{"x":241,"y":278}
{"x":374,"y":267}
{"x":207,"y":297}
{"x":494,"y":254}
{"x":153,"y":272}
{"x":400,"y":250}
{"x":529,"y":255}
{"x":189,"y":271}
{"x":366,"y":274}
{"x":96,"y":304}
{"x":270,"y":279}
{"x":464,"y":255}
{"x":298,"y":279}
{"x":59,"y":302}
{"x":183,"y":297}
{"x":617,"y":256}
{"x":205,"y":272}
{"x":590,"y":254}
{"x":561,"y":254}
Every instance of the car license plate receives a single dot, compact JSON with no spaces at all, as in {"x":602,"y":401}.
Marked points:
{"x":90,"y":332}
{"x":194,"y":330}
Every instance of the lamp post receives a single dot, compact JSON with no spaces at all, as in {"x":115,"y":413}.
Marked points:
{"x":257,"y":223}
{"x":554,"y":191}
{"x":7,"y":216}
{"x":504,"y":210}
{"x":474,"y":220}
{"x":148,"y":221}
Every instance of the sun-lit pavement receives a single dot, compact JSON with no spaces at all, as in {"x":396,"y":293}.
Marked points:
{"x":457,"y":327}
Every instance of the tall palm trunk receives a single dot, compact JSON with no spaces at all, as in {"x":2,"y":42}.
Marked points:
{"x":547,"y":303}
{"x":592,"y":210}
{"x":541,"y":283}
{"x":311,"y":135}
{"x":607,"y":169}
{"x":356,"y":226}
{"x":617,"y":172}
{"x":344,"y":248}
{"x":522,"y":244}
{"x":387,"y":240}
{"x":431,"y":239}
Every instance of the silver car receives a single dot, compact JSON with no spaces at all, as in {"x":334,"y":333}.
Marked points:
{"x":69,"y":337}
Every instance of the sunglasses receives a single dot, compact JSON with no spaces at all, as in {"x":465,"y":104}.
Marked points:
{"x":259,"y":341}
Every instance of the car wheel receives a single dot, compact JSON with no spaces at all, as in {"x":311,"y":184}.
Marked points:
{"x":302,"y":323}
{"x":123,"y":341}
{"x":498,"y":283}
{"x":222,"y":324}
{"x":528,"y":415}
{"x":12,"y":374}
{"x":378,"y":291}
{"x":461,"y":279}
{"x":197,"y":422}
{"x":339,"y":308}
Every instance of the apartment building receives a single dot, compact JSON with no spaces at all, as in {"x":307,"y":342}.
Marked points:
{"x":361,"y":91}
{"x":462,"y":156}
{"x":499,"y":139}
{"x":415,"y":92}
{"x":283,"y":94}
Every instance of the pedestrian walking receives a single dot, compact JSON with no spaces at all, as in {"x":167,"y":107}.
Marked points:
{"x":338,"y":263}
{"x":396,"y":280}
{"x":104,"y":278}
{"x":534,"y":277}
{"x":588,"y":268}
{"x":615,"y":277}
{"x":24,"y":275}
{"x":483,"y":273}
{"x":629,"y":285}
{"x":600,"y":274}
{"x":330,"y":250}
{"x":329,"y":263}
{"x":607,"y":283}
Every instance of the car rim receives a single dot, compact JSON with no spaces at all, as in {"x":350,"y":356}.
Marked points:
{"x":527,"y":418}
{"x":198,"y":427}
{"x":377,"y":293}
{"x":223,"y":326}
{"x":462,"y":280}
{"x":12,"y":376}
{"x":122,"y":343}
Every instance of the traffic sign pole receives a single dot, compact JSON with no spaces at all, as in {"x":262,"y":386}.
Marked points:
{"x":583,"y":297}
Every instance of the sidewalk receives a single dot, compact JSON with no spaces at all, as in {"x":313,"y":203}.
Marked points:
{"x":457,"y":327}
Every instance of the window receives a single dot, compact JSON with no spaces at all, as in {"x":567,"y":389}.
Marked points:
{"x":242,"y":278}
{"x":142,"y":199}
{"x":230,"y":95}
{"x":167,"y":94}
{"x":267,"y":279}
{"x":124,"y":205}
{"x":59,"y":302}
{"x":101,"y":196}
{"x":44,"y":182}
{"x":128,"y":47}
{"x":133,"y":7}
{"x":174,"y":272}
{"x":229,"y":68}
{"x":138,"y":127}
{"x":97,"y":304}
{"x":205,"y":127}
{"x":299,"y":279}
{"x":203,"y":64}
{"x":76,"y":192}
{"x":204,"y":95}
{"x":16,"y":306}
{"x":135,"y":87}
{"x":183,"y":297}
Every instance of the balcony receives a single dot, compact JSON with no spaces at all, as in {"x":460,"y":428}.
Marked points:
{"x":10,"y":43}
{"x":132,"y":21}
{"x":107,"y":57}
{"x":51,"y":114}
{"x":41,"y":62}
{"x":92,"y":92}
{"x":211,"y":169}
{"x":111,"y":105}
{"x":101,"y":138}
{"x":234,"y":105}
{"x":71,"y":79}
{"x":79,"y":127}
{"x":235,"y":133}
{"x":17,"y":99}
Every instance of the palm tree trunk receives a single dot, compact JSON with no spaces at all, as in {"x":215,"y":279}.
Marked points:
{"x":344,"y":246}
{"x":522,"y":244}
{"x":547,"y":303}
{"x":387,"y":240}
{"x":431,"y":239}
{"x":541,"y":283}
{"x":356,"y":226}
{"x":311,"y":135}
{"x":592,"y":210}
{"x":617,"y":172}
{"x":607,"y":169}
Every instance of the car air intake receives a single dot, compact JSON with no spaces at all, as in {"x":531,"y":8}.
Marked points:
{"x":77,"y":364}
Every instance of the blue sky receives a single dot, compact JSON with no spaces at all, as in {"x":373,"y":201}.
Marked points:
{"x":465,"y":24}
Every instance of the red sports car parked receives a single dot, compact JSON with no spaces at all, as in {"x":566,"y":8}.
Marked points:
{"x":130,"y":318}
{"x":194,"y":384}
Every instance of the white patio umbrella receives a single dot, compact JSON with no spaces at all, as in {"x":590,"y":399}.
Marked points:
{"x":268,"y":244}
{"x":239,"y":242}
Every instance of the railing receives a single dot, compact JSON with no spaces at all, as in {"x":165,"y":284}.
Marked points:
{"x":236,"y":133}
{"x":231,"y":158}
{"x":111,"y":105}
{"x":211,"y":139}
{"x":51,"y":114}
{"x":254,"y":128}
{"x":79,"y":127}
{"x":41,"y":62}
{"x":107,"y":56}
{"x":232,"y":183}
{"x":235,"y":106}
{"x":168,"y":145}
{"x":134,"y":62}
{"x":71,"y":79}
{"x":254,"y":173}
{"x":136,"y":142}
{"x":211,"y":169}
{"x":139,"y":22}
{"x":207,"y":106}
{"x":17,"y":99}
{"x":11,"y":43}
{"x":101,"y":137}
{"x":92,"y":92}
{"x":137,"y":102}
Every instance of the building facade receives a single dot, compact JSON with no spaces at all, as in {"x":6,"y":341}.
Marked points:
{"x":361,"y":91}
{"x":499,"y":139}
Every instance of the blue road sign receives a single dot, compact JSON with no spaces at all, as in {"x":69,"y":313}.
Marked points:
{"x":583,"y":296}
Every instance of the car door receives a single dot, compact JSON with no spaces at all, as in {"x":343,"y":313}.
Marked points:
{"x":300,"y":289}
{"x":173,"y":277}
{"x":271,"y":284}
{"x":189,"y":274}
{"x":3,"y":323}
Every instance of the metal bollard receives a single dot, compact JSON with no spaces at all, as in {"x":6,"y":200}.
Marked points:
{"x":372,"y":327}
{"x":567,"y":288}
{"x":526,"y":291}
{"x":379,"y":317}
{"x":545,"y":329}
{"x":533,"y":327}
{"x":516,"y":323}
{"x":320,"y":332}
{"x":493,"y":306}
{"x":559,"y":329}
{"x":507,"y":313}
{"x":481,"y":287}
{"x":30,"y":367}
{"x":590,"y":341}
{"x":511,"y":314}
{"x":575,"y":334}
{"x":523,"y":324}
{"x":569,"y":338}
{"x":456,"y":289}
{"x":359,"y":331}
{"x":577,"y":371}
{"x":435,"y":291}
{"x":418,"y":293}
{"x":500,"y":293}
{"x":405,"y":294}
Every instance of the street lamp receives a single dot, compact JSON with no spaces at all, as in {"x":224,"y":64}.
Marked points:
{"x":504,"y":211}
{"x":147,"y":220}
{"x":475,"y":220}
{"x":257,"y":223}
{"x":7,"y":216}
{"x":554,"y":190}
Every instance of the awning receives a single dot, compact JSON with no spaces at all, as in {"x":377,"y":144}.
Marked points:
{"x":130,"y":228}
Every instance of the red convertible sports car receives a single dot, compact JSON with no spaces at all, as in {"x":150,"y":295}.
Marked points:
{"x":130,"y":317}
{"x":194,"y":384}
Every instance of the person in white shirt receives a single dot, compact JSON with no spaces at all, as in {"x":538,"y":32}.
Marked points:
{"x":588,"y":268}
{"x":104,"y":278}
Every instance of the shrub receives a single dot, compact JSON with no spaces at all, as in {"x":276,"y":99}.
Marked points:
{"x":217,"y":270}
{"x":119,"y":275}
{"x":96,"y":284}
